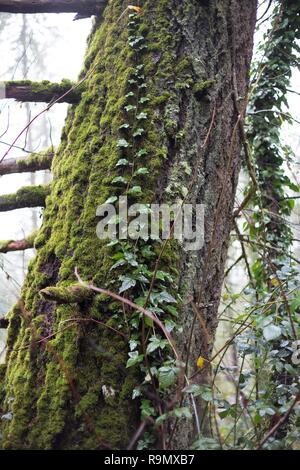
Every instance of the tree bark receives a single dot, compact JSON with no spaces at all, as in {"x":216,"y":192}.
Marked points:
{"x":88,"y":7}
{"x":41,"y":92}
{"x":192,"y":55}
{"x":32,"y":163}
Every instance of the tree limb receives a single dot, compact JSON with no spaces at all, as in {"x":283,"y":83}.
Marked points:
{"x":30,"y":196}
{"x":66,"y":295}
{"x":86,"y":7}
{"x":41,"y":92}
{"x":7,"y":246}
{"x":34,"y":162}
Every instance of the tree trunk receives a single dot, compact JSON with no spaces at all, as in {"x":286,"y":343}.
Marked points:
{"x":73,"y":390}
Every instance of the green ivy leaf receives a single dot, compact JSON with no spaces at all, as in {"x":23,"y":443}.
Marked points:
{"x":127,"y":284}
{"x":155,"y":343}
{"x":119,"y":179}
{"x":165,"y":297}
{"x":122,"y":143}
{"x":167,"y":376}
{"x":122,"y":162}
{"x":135,"y":190}
{"x":142,"y":171}
{"x":111,"y":200}
{"x":271,"y":332}
{"x":142,"y":116}
{"x":138,"y":132}
{"x":142,"y":153}
{"x":134,"y":358}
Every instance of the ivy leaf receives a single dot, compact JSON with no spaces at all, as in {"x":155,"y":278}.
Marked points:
{"x":144,"y":99}
{"x":138,"y":132}
{"x":122,"y":162}
{"x":142,"y":116}
{"x":147,"y":409}
{"x":142,"y":171}
{"x":172,"y":310}
{"x":142,"y":153}
{"x":135,"y":190}
{"x":134,"y":358}
{"x":122,"y":143}
{"x":155,"y":343}
{"x":165,"y":297}
{"x":271,"y":332}
{"x":167,"y":376}
{"x":130,"y":107}
{"x":119,"y":263}
{"x":119,"y":179}
{"x":205,"y":443}
{"x":183,"y":412}
{"x":202,"y":391}
{"x":127,"y":284}
{"x":111,"y":200}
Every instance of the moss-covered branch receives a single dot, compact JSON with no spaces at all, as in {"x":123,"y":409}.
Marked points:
{"x":88,"y":7}
{"x":45,"y":91}
{"x":67,"y":295}
{"x":30,"y":196}
{"x":34,"y":162}
{"x":17,"y":245}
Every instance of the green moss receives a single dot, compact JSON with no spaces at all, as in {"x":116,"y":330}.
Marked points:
{"x":201,"y":88}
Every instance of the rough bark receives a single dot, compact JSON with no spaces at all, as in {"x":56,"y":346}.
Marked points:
{"x":32,"y":163}
{"x":194,"y":51}
{"x":87,"y":7}
{"x":42,"y":92}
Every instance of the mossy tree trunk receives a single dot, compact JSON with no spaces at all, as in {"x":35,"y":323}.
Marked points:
{"x":73,"y":390}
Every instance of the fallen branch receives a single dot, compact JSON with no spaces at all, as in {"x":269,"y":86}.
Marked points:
{"x":32,"y":163}
{"x":41,"y":92}
{"x":30,"y":196}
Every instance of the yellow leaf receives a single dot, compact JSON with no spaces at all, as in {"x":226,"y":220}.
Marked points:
{"x":137,"y":9}
{"x":200,"y":362}
{"x":275,"y":282}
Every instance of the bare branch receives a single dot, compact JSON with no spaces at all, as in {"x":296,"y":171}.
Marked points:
{"x":30,"y":196}
{"x":86,"y":7}
{"x":34,"y":162}
{"x":17,"y":245}
{"x":42,"y":92}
